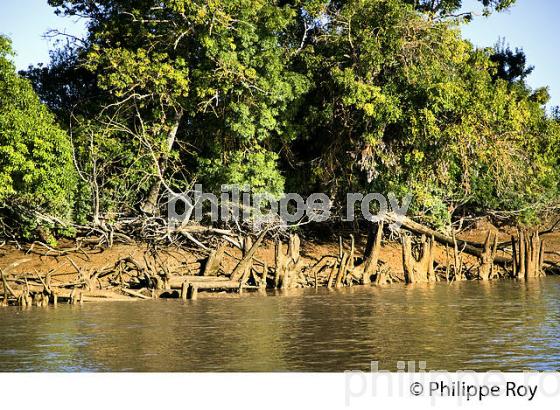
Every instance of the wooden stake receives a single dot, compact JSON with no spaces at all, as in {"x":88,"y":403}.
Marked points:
{"x":522,"y":255}
{"x":192,"y":292}
{"x":279,"y":264}
{"x":341,"y":270}
{"x":515,"y":261}
{"x":264,"y":276}
{"x":184,"y":290}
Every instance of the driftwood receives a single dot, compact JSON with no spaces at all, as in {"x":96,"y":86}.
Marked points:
{"x":135,"y":294}
{"x":146,"y":277}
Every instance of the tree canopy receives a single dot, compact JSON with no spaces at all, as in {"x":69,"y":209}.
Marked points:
{"x":299,"y":96}
{"x":445,"y":7}
{"x":36,"y":171}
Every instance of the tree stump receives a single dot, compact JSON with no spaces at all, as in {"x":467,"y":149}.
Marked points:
{"x":72,"y":297}
{"x":528,"y":255}
{"x":184,"y":290}
{"x":287,"y":265}
{"x":247,"y":245}
{"x":280,"y":263}
{"x":246,"y":262}
{"x":457,"y":261}
{"x":192,"y":292}
{"x":263,"y":279}
{"x":294,"y":248}
{"x":347,"y":279}
{"x":486,"y":268}
{"x":371,"y":255}
{"x":214,"y":261}
{"x":418,"y":269}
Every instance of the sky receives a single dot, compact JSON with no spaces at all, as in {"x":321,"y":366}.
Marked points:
{"x":530,"y":25}
{"x":26,"y":22}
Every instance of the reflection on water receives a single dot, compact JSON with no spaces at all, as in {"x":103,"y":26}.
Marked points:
{"x":501,"y":325}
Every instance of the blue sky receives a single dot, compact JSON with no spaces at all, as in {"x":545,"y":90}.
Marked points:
{"x":530,"y":24}
{"x":26,"y":22}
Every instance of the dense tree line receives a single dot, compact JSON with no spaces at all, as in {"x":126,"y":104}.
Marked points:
{"x":279,"y":95}
{"x":36,"y":170}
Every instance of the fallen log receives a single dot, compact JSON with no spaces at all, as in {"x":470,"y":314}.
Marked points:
{"x":242,"y":266}
{"x":175,"y":282}
{"x":414,"y":227}
{"x":135,"y":294}
{"x":220,"y":284}
{"x":467,"y":247}
{"x":190,"y":290}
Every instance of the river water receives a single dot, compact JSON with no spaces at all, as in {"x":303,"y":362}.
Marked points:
{"x":499,"y":325}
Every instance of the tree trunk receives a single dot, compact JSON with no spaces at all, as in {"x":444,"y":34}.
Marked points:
{"x":150,"y":205}
{"x":372,"y":255}
{"x":342,"y":267}
{"x":213,"y":263}
{"x":469,"y":248}
{"x":528,"y":255}
{"x":247,"y":260}
{"x":421,"y":269}
{"x":486,"y":269}
{"x":457,"y":260}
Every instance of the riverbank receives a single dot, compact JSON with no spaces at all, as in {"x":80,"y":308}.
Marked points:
{"x":39,"y":274}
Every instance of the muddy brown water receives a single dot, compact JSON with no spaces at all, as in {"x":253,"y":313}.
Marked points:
{"x":500,"y":325}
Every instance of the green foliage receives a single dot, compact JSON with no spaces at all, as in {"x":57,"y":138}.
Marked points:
{"x":219,"y":70}
{"x":419,"y":111}
{"x":308,"y":96}
{"x":255,"y":171}
{"x":445,"y":7}
{"x":510,"y":65}
{"x":36,"y":171}
{"x":66,"y":87}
